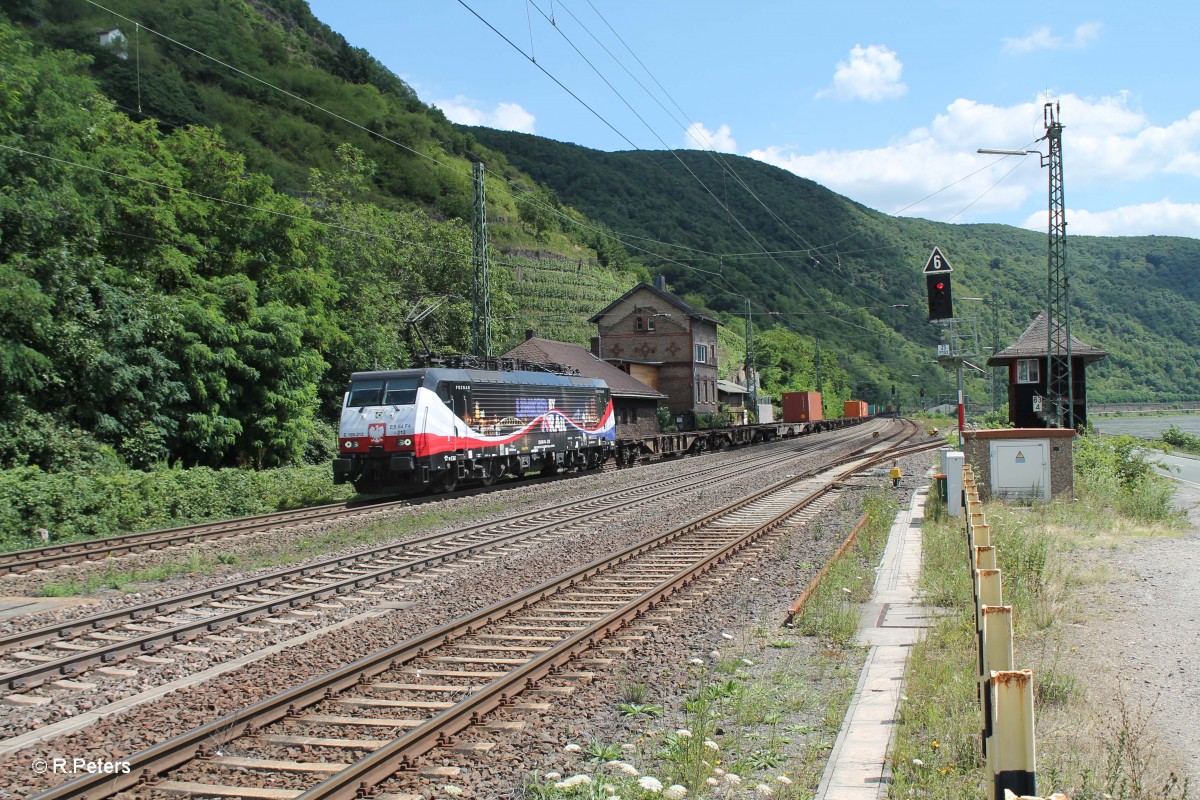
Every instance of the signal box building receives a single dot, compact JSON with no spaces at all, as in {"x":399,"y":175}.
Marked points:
{"x":635,"y":404}
{"x":1027,"y":379}
{"x":657,"y":337}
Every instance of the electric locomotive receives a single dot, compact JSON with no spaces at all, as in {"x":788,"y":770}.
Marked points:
{"x":414,"y":429}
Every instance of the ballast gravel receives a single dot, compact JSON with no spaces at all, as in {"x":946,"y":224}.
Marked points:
{"x":435,"y":599}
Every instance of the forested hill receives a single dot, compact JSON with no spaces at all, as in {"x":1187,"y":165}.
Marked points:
{"x":831,"y":258}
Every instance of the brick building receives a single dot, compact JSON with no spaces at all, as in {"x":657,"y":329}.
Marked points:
{"x":657,"y":337}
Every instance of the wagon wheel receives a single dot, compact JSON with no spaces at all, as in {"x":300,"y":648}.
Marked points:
{"x":449,"y":480}
{"x":491,"y":471}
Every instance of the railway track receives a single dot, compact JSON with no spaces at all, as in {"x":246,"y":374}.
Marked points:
{"x":55,"y":555}
{"x":344,"y":733}
{"x":67,"y":650}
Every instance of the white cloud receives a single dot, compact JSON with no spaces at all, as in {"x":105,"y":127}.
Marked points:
{"x":872,"y":73}
{"x":1164,"y":218}
{"x":505,"y":116}
{"x":1042,"y":39}
{"x":1109,"y":147}
{"x":699,"y":137}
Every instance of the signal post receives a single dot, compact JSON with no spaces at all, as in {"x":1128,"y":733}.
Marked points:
{"x":960,"y":340}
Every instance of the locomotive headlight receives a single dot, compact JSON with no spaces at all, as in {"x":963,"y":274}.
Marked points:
{"x":406,"y":442}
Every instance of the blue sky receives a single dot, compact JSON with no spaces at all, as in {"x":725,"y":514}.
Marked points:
{"x":884,"y":102}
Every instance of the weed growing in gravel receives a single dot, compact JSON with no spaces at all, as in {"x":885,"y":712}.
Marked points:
{"x":759,"y":715}
{"x":831,"y":613}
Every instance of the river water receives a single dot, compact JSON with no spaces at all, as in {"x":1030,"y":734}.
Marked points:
{"x":1146,"y":427}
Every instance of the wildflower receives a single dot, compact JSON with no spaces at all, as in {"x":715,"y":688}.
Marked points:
{"x":628,"y":769}
{"x":699,"y":662}
{"x":553,"y":776}
{"x":718,"y":772}
{"x":727,"y":636}
{"x":629,"y":746}
{"x":576,"y":780}
{"x":609,"y":788}
{"x":453,"y":791}
{"x":918,"y":762}
{"x":935,"y":744}
{"x":733,"y":780}
{"x":683,"y":733}
{"x":763,"y":789}
{"x":675,"y":792}
{"x":573,"y":748}
{"x":784,"y":779}
{"x":747,"y":662}
{"x":711,"y":745}
{"x":652,"y":785}
{"x":712,"y":781}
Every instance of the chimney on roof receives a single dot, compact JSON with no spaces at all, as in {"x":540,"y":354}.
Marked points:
{"x":530,"y":333}
{"x":660,"y":282}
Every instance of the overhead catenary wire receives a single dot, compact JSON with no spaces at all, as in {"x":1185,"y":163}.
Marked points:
{"x":623,"y":239}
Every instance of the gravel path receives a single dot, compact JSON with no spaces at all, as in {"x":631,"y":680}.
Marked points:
{"x":1143,"y":642}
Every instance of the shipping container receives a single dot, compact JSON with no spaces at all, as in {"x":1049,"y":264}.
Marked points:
{"x":802,"y":406}
{"x":854,"y":408}
{"x":871,"y":410}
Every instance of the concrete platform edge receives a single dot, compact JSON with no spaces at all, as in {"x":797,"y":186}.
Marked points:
{"x":858,"y":766}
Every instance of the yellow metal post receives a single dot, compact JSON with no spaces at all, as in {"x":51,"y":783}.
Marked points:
{"x":985,"y":557}
{"x":1011,"y":755}
{"x":995,"y":655}
{"x":987,"y":593}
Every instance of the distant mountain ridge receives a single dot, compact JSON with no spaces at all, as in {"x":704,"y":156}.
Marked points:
{"x":1136,"y":297}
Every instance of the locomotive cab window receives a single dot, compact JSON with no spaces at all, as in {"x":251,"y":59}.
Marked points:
{"x":365,"y":392}
{"x":401,"y":391}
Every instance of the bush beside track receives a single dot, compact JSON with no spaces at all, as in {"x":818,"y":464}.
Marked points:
{"x":74,"y":505}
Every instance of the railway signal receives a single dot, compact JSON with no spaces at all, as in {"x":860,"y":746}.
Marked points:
{"x":937,"y":287}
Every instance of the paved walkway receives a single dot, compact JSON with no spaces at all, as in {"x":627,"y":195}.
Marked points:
{"x":890,"y":624}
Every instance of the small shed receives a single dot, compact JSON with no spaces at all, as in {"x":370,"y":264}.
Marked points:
{"x":635,"y":404}
{"x":1027,"y":379}
{"x":734,"y":402}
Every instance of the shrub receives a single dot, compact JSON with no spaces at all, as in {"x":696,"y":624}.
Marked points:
{"x":74,"y":505}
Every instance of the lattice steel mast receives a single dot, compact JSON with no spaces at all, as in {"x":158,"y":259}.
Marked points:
{"x":481,"y":296}
{"x":1060,"y":388}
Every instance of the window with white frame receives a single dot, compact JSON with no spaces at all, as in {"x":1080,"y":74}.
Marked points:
{"x":650,"y":323}
{"x":702,"y":353}
{"x":1028,"y":370}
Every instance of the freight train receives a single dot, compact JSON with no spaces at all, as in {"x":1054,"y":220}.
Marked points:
{"x":432,"y":428}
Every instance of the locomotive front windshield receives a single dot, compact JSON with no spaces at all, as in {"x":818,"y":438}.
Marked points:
{"x":381,"y":392}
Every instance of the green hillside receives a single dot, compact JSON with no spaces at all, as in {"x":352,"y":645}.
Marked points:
{"x":193,"y":258}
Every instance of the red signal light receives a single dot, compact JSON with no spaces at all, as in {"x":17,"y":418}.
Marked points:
{"x":939,"y":286}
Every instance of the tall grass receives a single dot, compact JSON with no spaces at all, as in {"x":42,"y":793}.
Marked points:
{"x":1090,"y":753}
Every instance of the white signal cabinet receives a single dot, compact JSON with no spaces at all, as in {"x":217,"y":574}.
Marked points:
{"x":1020,"y":468}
